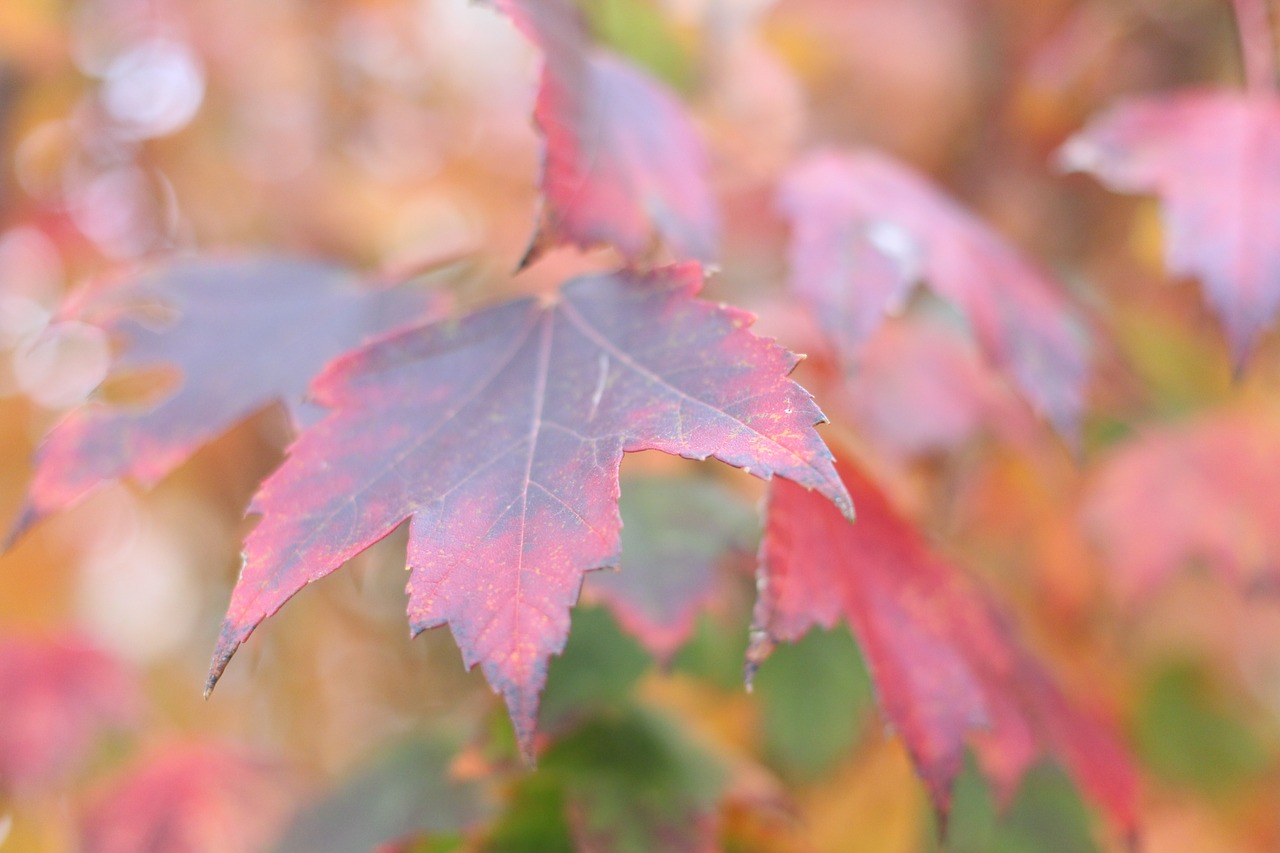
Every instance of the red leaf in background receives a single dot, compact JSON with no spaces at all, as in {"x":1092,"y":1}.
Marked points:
{"x":58,"y":696}
{"x":247,"y":332}
{"x":675,"y":532}
{"x":623,"y":162}
{"x":500,"y":435}
{"x":943,"y":660}
{"x":191,"y":798}
{"x":866,"y":227}
{"x":1213,"y":158}
{"x":922,"y":387}
{"x":1202,"y":491}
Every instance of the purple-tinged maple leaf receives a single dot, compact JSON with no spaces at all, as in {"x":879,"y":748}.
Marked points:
{"x":500,"y":436}
{"x":1213,"y":159}
{"x":866,"y":228}
{"x":245,"y":333}
{"x":623,"y":162}
{"x":947,"y":668}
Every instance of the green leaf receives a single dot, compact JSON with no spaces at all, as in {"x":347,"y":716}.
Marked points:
{"x":597,"y":670}
{"x":1186,"y":734}
{"x":634,"y":782}
{"x":814,"y":697}
{"x":1046,"y":814}
{"x":534,"y":821}
{"x":638,"y":30}
{"x":407,"y":792}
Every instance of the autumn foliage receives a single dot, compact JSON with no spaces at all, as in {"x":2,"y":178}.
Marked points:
{"x":311,"y":316}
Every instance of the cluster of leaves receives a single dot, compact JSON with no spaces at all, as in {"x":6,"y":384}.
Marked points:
{"x":493,"y":437}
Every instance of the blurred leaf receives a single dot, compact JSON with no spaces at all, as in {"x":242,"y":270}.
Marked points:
{"x":405,"y":793}
{"x":638,"y":29}
{"x":1199,"y":491}
{"x":634,"y":783}
{"x":1046,"y":814}
{"x":190,"y":797}
{"x":1186,"y":734}
{"x":716,"y":650}
{"x":599,"y":666}
{"x":1172,"y":363}
{"x":675,"y":530}
{"x":871,"y":804}
{"x":58,"y":696}
{"x":806,"y":731}
{"x":920,"y":386}
{"x":624,"y":164}
{"x":244,"y":333}
{"x":534,"y":821}
{"x":1210,"y":157}
{"x":865,"y":228}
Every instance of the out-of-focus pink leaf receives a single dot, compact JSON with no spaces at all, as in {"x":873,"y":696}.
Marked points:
{"x":922,"y":387}
{"x":623,"y":162}
{"x":1213,"y":159}
{"x":947,"y":668}
{"x":245,"y":333}
{"x":500,"y":436}
{"x":866,"y":228}
{"x":57,"y":696}
{"x":1197,"y":492}
{"x":191,"y":798}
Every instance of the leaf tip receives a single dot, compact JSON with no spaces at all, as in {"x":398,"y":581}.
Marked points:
{"x":759,"y":646}
{"x":229,"y":639}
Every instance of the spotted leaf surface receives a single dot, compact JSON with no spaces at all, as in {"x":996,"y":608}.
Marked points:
{"x":500,"y":436}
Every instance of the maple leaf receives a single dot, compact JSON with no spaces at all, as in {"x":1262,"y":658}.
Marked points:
{"x":1199,"y":491}
{"x":634,"y":782}
{"x":866,"y":227}
{"x":59,"y":694}
{"x":1211,"y":158}
{"x":946,"y":667}
{"x":409,"y":791}
{"x":190,"y":797}
{"x":500,"y":436}
{"x":675,"y":531}
{"x":247,"y":332}
{"x":922,"y":387}
{"x":622,"y":159}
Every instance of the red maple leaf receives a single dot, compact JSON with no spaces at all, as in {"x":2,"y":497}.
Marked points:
{"x":187,"y":798}
{"x":1211,"y":157}
{"x":946,"y":666}
{"x":1200,"y":491}
{"x":866,"y":227}
{"x":622,"y":161}
{"x":58,"y":695}
{"x":921,"y":387}
{"x":500,"y":436}
{"x":245,"y":333}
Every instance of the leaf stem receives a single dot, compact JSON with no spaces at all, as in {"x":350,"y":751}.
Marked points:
{"x":1257,"y":44}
